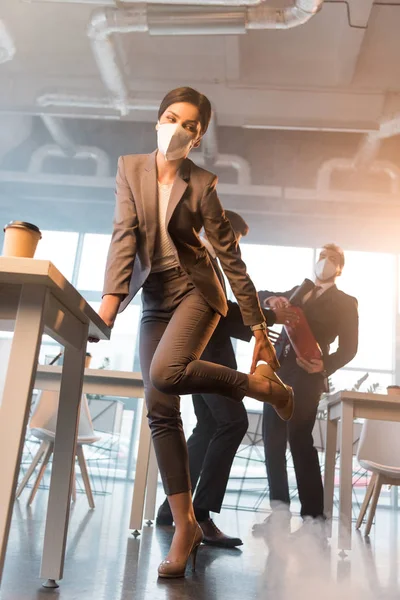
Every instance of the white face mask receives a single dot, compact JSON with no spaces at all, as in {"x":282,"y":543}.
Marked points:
{"x":325,"y":269}
{"x":173,"y":141}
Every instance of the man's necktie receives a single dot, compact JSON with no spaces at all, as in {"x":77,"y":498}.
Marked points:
{"x":314,"y":294}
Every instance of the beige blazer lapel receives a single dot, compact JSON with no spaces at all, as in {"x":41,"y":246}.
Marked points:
{"x":178,"y":189}
{"x":150,"y":202}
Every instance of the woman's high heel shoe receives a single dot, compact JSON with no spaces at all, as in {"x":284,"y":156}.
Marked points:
{"x":177,"y":568}
{"x":281,"y":393}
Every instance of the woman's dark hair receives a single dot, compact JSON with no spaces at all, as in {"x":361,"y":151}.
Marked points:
{"x":238,"y":224}
{"x":191,"y":96}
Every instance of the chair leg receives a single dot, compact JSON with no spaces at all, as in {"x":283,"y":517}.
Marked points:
{"x":85,"y":475}
{"x":47,"y":454}
{"x":375,"y":498}
{"x":32,"y":467}
{"x":73,"y":491}
{"x":366,"y":502}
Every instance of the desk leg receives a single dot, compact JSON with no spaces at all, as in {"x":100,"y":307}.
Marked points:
{"x":329,"y":473}
{"x":346,"y":472}
{"x":151,"y":494}
{"x":142,"y":466}
{"x":63,"y":463}
{"x":17,"y":396}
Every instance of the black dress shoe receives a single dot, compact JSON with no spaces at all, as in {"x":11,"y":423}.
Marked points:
{"x":215,"y":537}
{"x":164,"y":515}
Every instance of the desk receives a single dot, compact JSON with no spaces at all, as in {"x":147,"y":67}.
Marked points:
{"x":128,"y":385}
{"x":347,"y":406}
{"x":35,"y":298}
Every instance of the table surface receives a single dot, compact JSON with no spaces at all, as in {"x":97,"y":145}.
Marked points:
{"x":14,"y":272}
{"x":91,"y":374}
{"x":343,"y":395}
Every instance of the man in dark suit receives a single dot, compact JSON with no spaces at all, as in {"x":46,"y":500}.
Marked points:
{"x":331,"y":314}
{"x":221,"y":423}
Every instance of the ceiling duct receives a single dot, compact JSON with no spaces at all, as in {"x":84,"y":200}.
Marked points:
{"x":164,"y":19}
{"x":176,"y":2}
{"x":365,"y":158}
{"x":81,"y":153}
{"x":7,"y":47}
{"x":61,"y":137}
{"x":59,"y":134}
{"x":14,"y":130}
{"x":371,"y":143}
{"x":327,"y":169}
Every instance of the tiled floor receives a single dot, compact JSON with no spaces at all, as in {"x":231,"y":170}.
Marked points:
{"x":104,"y":561}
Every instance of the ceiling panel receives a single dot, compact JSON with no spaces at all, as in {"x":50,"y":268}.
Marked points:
{"x":379,"y":64}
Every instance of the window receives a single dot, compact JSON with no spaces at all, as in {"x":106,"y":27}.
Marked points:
{"x":278,"y":269}
{"x":346,"y":379}
{"x":370,"y":277}
{"x":118,"y":353}
{"x":60,"y":248}
{"x":93,"y":261}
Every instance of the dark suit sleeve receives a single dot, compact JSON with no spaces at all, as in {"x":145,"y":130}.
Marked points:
{"x":221,"y":236}
{"x":234,"y":326}
{"x":264,"y":294}
{"x":233,"y":323}
{"x":123,"y":246}
{"x":348,"y":337}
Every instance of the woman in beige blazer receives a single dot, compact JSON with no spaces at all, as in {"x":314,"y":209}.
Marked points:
{"x":163,"y":200}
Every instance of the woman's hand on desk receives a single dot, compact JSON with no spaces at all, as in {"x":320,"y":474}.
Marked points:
{"x":108,"y":311}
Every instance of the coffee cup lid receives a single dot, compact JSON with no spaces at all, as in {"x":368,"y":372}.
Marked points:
{"x":23,"y":224}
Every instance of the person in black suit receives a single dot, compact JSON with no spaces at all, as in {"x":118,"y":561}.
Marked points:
{"x":331,"y":314}
{"x":221,"y":423}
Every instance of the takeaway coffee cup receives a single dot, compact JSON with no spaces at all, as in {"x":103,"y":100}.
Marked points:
{"x":21,"y":239}
{"x":393,"y":390}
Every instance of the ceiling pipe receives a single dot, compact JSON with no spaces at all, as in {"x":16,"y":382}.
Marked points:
{"x":209,"y":143}
{"x":39,"y":155}
{"x":299,"y":196}
{"x":229,"y":161}
{"x":345,"y":164}
{"x":59,"y":134}
{"x":7,"y":47}
{"x":90,"y":102}
{"x":162,"y":19}
{"x":176,"y":2}
{"x":14,"y":130}
{"x":371,"y":143}
{"x":365,"y":158}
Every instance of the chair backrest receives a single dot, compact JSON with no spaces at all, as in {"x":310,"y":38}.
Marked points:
{"x":85,"y":430}
{"x":253,"y":436}
{"x":380,"y":443}
{"x":44,"y":417}
{"x":319,"y":434}
{"x":107,"y":414}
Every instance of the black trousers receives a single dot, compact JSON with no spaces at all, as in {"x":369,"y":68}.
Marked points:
{"x":298,"y":432}
{"x":221,"y":426}
{"x":176,"y":326}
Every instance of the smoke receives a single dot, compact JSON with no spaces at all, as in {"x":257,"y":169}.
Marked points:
{"x":305,"y":565}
